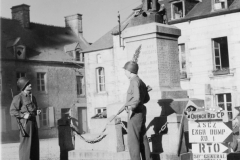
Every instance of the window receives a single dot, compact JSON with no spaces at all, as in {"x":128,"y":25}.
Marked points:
{"x":80,"y":81}
{"x":79,"y":56}
{"x":65,"y":112}
{"x":220,"y":49}
{"x":3,"y":120}
{"x":0,"y":81}
{"x":46,"y":117}
{"x":20,"y":52}
{"x":178,"y":10}
{"x":219,"y":4}
{"x":182,"y":60}
{"x":100,"y":79}
{"x":100,"y":110}
{"x":41,"y":80}
{"x":225,"y":102}
{"x":99,"y":58}
{"x":19,"y":75}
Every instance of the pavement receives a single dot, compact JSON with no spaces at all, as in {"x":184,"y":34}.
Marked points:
{"x":49,"y":150}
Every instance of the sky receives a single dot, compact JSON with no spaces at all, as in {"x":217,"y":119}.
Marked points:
{"x":99,"y":16}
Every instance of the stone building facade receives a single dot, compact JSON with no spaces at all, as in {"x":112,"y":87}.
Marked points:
{"x":207,"y":27}
{"x":51,"y":57}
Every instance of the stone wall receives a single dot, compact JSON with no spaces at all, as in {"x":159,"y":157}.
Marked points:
{"x":60,"y":92}
{"x":197,"y":36}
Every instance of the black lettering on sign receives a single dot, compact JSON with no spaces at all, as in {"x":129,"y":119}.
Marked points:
{"x":201,"y":148}
{"x":216,"y":147}
{"x":204,"y":138}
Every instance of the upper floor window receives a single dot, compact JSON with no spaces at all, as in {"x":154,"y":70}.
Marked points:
{"x":220,"y":53}
{"x":177,"y":10}
{"x":225,"y":102}
{"x":19,"y":75}
{"x":41,"y":82}
{"x":20,"y":52}
{"x":219,"y":4}
{"x":99,"y":58}
{"x":182,"y":60}
{"x":79,"y":56}
{"x":100,"y":79}
{"x":80,"y":81}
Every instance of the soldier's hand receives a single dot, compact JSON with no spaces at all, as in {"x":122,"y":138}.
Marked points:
{"x":38,"y":112}
{"x":26,"y":116}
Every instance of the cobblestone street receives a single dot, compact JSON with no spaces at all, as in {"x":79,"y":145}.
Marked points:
{"x":49,"y":150}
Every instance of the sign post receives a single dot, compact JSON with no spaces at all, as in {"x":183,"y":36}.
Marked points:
{"x":207,"y":131}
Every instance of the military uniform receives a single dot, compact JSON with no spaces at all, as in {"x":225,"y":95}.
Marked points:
{"x":137,"y":95}
{"x":29,"y":145}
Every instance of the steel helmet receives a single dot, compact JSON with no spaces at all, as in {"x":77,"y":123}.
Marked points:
{"x":22,"y":83}
{"x":131,"y":66}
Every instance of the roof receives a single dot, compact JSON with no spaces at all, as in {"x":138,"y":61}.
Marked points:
{"x":200,"y":9}
{"x":106,"y":41}
{"x":43,"y":42}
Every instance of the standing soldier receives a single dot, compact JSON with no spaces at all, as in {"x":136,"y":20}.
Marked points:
{"x":137,"y":95}
{"x":24,"y":108}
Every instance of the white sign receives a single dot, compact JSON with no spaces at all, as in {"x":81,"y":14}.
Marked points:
{"x":206,"y":115}
{"x":209,"y":148}
{"x":206,"y":132}
{"x":220,"y":156}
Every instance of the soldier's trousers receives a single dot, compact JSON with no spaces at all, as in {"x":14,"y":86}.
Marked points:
{"x":137,"y":139}
{"x":29,"y":146}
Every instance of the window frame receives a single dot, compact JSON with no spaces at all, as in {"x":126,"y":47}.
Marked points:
{"x":98,"y":77}
{"x":19,"y":75}
{"x":219,"y":66}
{"x":99,"y":58}
{"x":39,"y":87}
{"x":79,"y":56}
{"x":213,"y":5}
{"x":225,"y":103}
{"x":172,"y":11}
{"x":183,"y":71}
{"x":100,"y":108}
{"x":44,"y":111}
{"x":79,"y":86}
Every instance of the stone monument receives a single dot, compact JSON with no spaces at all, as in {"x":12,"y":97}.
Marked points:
{"x":159,"y":68}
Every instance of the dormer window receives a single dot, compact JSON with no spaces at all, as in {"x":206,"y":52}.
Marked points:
{"x":219,"y":4}
{"x":99,"y":58}
{"x":178,"y":10}
{"x":20,"y":52}
{"x":79,"y":56}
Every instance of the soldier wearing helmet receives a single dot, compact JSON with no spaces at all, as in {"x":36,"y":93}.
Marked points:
{"x":24,"y":108}
{"x":137,"y":96}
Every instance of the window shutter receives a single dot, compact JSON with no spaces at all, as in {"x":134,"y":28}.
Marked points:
{"x":14,"y":123}
{"x":3,"y":120}
{"x":51,"y":117}
{"x":38,"y":121}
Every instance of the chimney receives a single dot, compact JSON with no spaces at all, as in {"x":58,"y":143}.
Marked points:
{"x":75,"y":23}
{"x":21,"y":13}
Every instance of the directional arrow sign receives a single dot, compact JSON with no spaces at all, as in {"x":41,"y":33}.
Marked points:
{"x":206,"y":132}
{"x":209,"y":148}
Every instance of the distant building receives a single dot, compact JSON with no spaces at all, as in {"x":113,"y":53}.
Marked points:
{"x":52,"y":58}
{"x":208,"y":53}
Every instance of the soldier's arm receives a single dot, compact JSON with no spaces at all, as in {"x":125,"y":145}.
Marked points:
{"x":15,"y":108}
{"x":133,"y":103}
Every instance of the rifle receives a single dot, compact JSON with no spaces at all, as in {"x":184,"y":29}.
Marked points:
{"x":21,"y":128}
{"x":124,"y":106}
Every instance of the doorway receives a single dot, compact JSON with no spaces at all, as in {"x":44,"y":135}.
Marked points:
{"x":82,"y":120}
